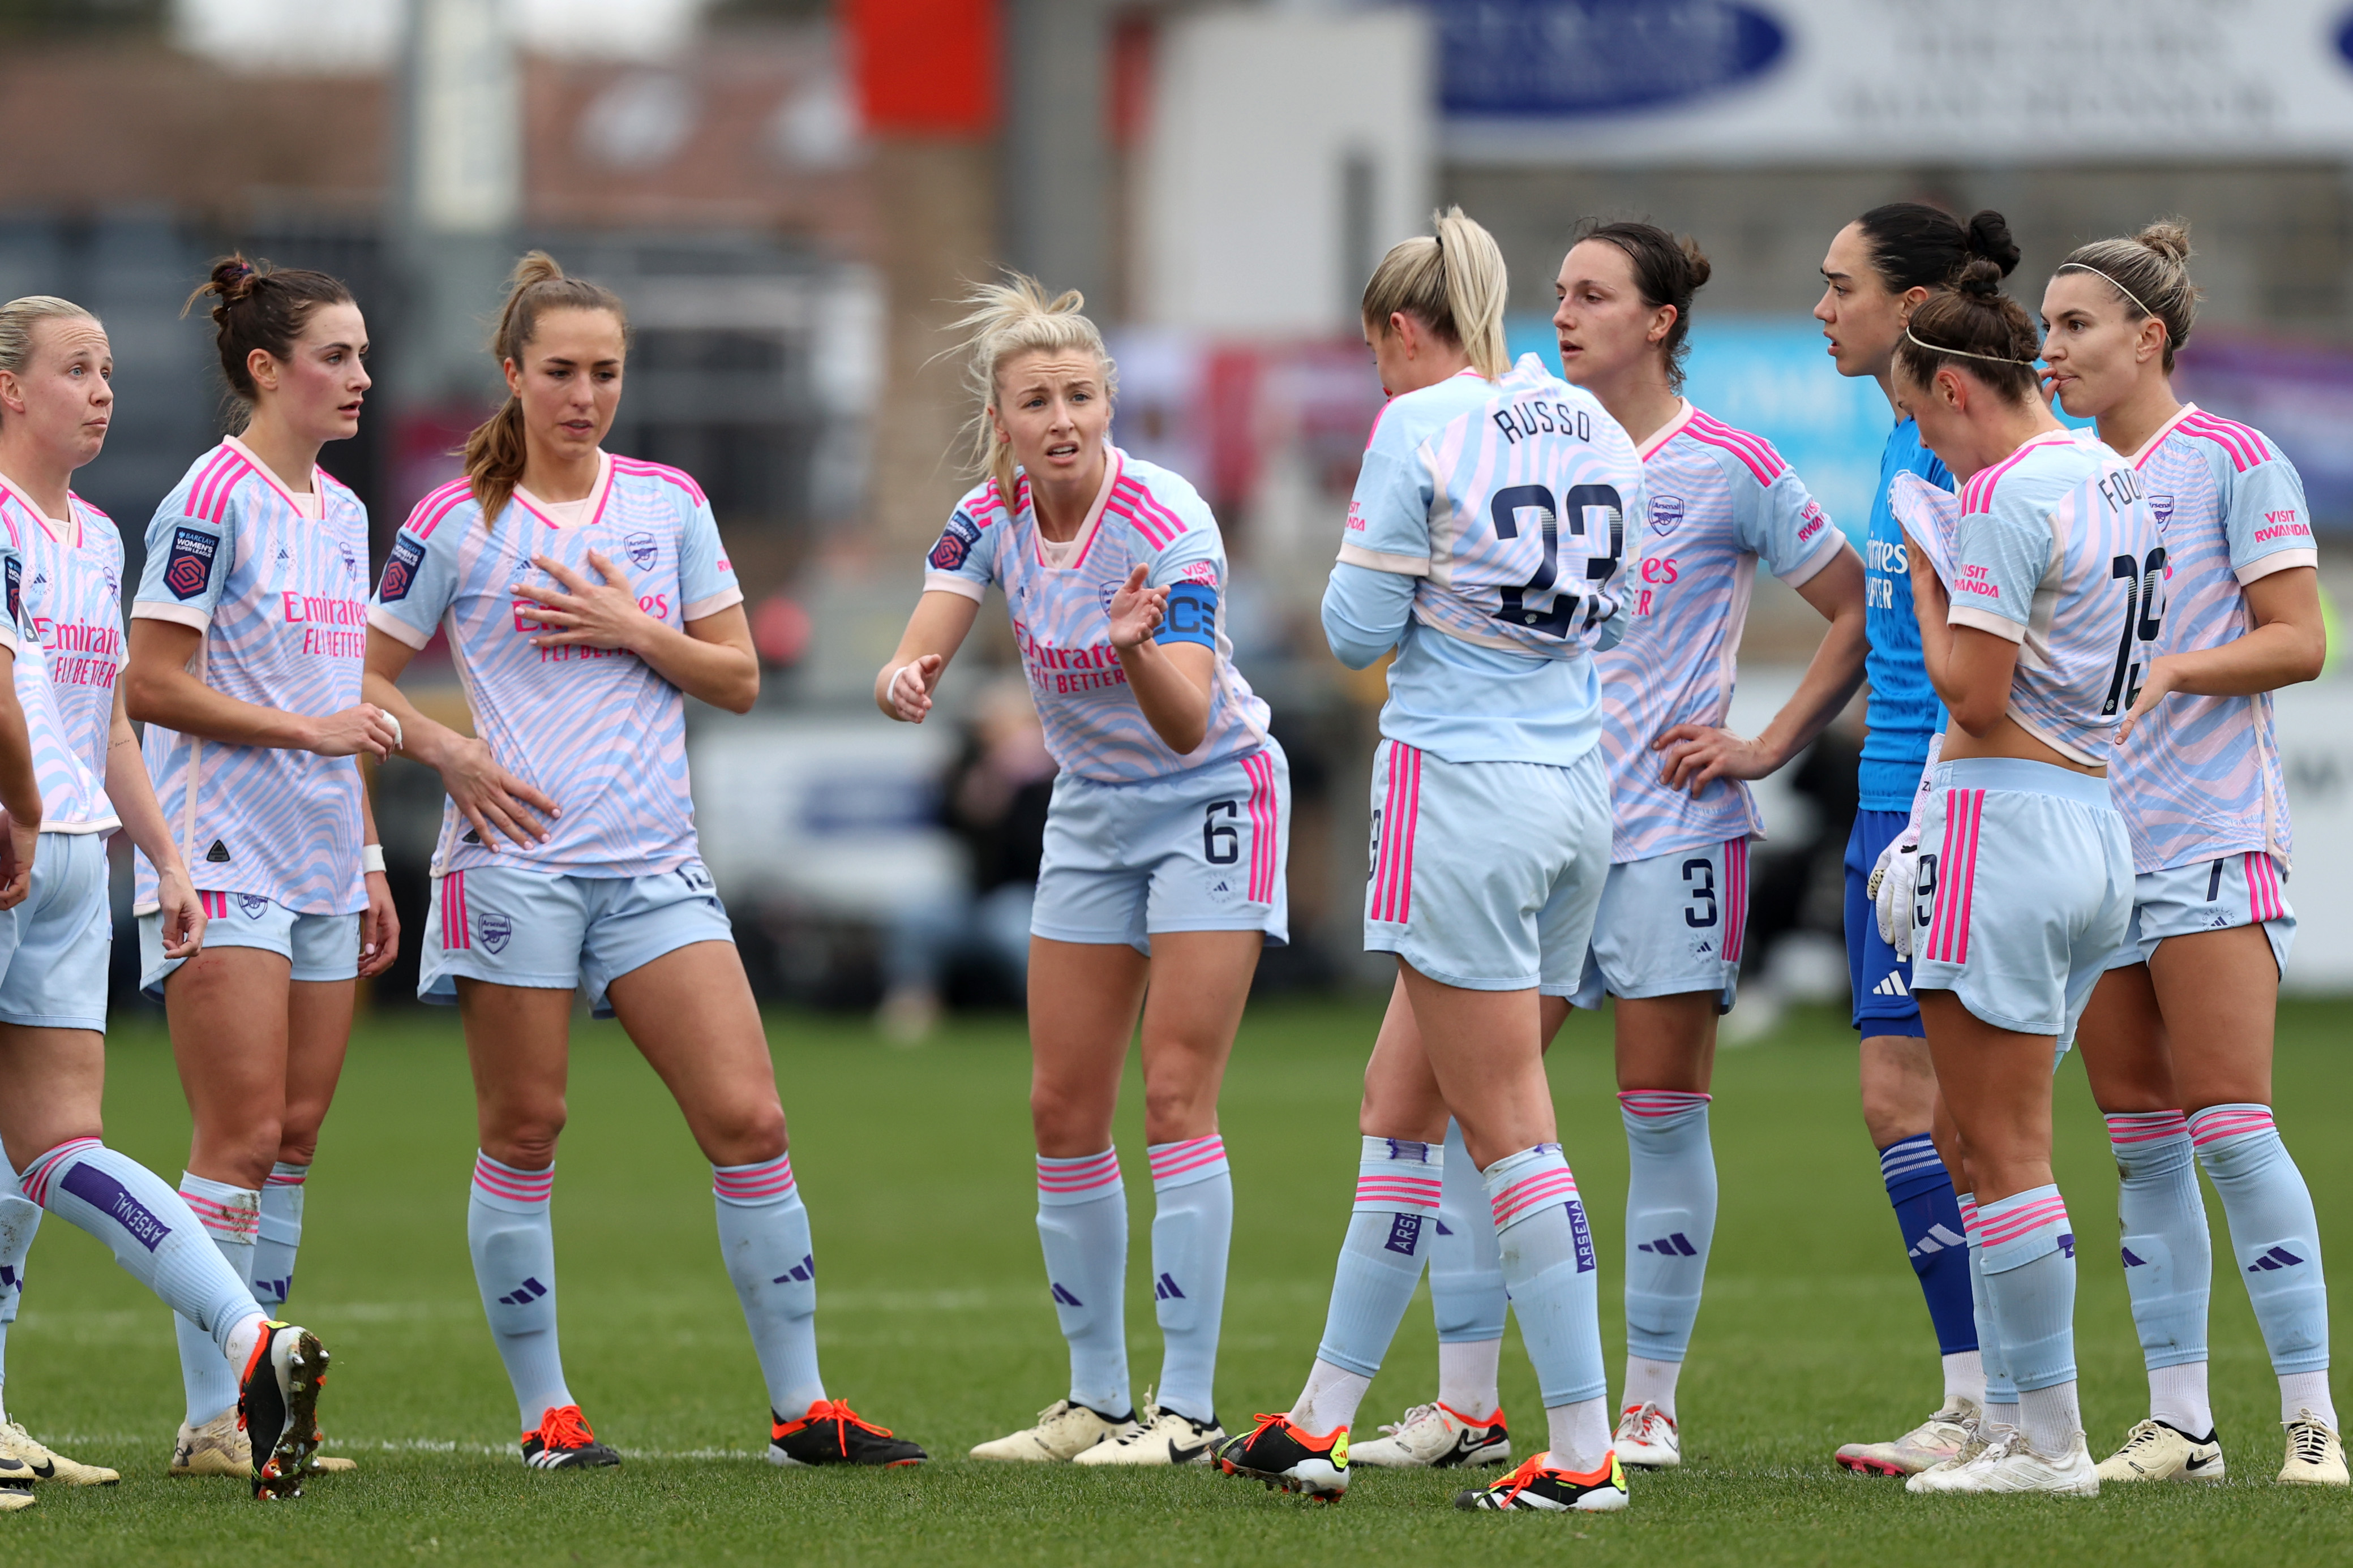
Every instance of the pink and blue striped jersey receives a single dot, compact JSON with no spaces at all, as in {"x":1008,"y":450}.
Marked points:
{"x":1143,"y":516}
{"x":1720,"y":500}
{"x":2056,"y":548}
{"x":600,"y":731}
{"x":1507,"y":503}
{"x":72,"y":612}
{"x":2200,"y":778}
{"x":278,"y":584}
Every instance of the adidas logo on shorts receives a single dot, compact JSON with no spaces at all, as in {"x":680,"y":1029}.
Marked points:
{"x":1892,"y":987}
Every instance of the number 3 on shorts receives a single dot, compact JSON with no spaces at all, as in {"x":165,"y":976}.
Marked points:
{"x":1221,"y":844}
{"x":1701,"y":913}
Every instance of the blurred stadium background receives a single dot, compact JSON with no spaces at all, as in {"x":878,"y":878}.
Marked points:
{"x":789,"y":192}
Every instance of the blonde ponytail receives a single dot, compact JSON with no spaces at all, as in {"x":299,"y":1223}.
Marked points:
{"x":495,"y":453}
{"x":1016,"y":316}
{"x":1453,"y":282}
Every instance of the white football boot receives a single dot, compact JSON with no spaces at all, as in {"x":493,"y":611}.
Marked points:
{"x":1933,"y":1442}
{"x":1161,"y":1437}
{"x":1436,"y":1437}
{"x":2012,"y":1467}
{"x":1646,"y":1438}
{"x":47,"y":1464}
{"x":1061,"y":1433}
{"x":2156,"y":1451}
{"x":2316,"y":1455}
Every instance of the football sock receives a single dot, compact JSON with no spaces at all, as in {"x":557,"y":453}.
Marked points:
{"x":19,"y":1218}
{"x":1390,"y":1232}
{"x":1964,"y":1377}
{"x":230,"y":1215}
{"x":281,"y":1234}
{"x":763,"y":1235}
{"x":150,"y":1231}
{"x":1548,"y":1267}
{"x":2168,"y":1259}
{"x":512,"y":1240}
{"x":1192,"y":1227}
{"x":2302,"y":1391}
{"x":1928,"y":1213}
{"x":1578,"y":1435}
{"x":2273,"y":1233}
{"x":1330,"y":1398}
{"x":2177,"y":1396}
{"x":1999,"y":1406}
{"x":1466,"y":1374}
{"x":1670,"y":1217}
{"x":1466,"y":1279}
{"x":1083,"y":1223}
{"x":2027,"y":1253}
{"x":1650,"y":1382}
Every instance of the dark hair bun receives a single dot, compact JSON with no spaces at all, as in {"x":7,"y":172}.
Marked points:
{"x":233,"y":278}
{"x":1990,"y":241}
{"x":1697,"y":261}
{"x":1980,"y":280}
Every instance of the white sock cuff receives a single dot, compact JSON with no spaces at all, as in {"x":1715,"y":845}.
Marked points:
{"x":228,"y":1214}
{"x":1182,"y":1164}
{"x":1526,"y":1184}
{"x":756,"y":1185}
{"x":509,"y":1188}
{"x":1082,"y":1180}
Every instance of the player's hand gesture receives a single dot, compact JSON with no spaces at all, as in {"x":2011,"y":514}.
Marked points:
{"x":907,"y":696}
{"x":2161,"y":682}
{"x":493,"y":799}
{"x":17,"y":849}
{"x":1136,"y":611}
{"x":379,"y":927}
{"x":366,"y":728}
{"x":1699,"y":755}
{"x":181,"y":913}
{"x":584,"y":614}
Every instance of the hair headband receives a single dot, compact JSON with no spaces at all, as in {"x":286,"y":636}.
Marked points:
{"x":2087,"y":266}
{"x":1965,"y":353}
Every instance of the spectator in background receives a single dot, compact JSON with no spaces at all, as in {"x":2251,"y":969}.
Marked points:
{"x":994,"y":798}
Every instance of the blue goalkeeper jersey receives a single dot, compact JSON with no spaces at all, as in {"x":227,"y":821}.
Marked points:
{"x":1903,"y":711}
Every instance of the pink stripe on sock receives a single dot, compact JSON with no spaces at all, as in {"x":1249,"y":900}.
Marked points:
{"x":770,"y":1179}
{"x":238,"y":1223}
{"x":1970,"y":1226}
{"x":2146,"y":1126}
{"x":1182,"y":1159}
{"x":1540,"y":1190}
{"x":1659,"y":1101}
{"x":1079,"y":1175}
{"x":2008,"y":1224}
{"x":2228,"y":1121}
{"x":34,"y":1181}
{"x":1391,"y":1192}
{"x":515,"y":1187}
{"x":301,"y":1174}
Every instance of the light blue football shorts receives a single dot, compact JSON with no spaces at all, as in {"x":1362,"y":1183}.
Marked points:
{"x":1206,"y":849}
{"x":55,"y":946}
{"x":1670,"y":924}
{"x":2249,"y":887}
{"x":320,"y":947}
{"x":1487,"y":875}
{"x":2025,"y":888}
{"x":547,"y":931}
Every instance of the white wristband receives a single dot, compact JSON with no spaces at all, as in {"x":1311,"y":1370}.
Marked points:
{"x":371,"y":858}
{"x":400,"y":741}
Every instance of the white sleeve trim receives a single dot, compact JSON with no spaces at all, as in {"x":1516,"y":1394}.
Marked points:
{"x":1985,"y":621}
{"x":9,"y":639}
{"x":185,"y":615}
{"x":2277,"y":561}
{"x":1382,"y":560}
{"x":724,"y":599}
{"x":383,"y":620}
{"x":1812,"y":565}
{"x":949,"y":583}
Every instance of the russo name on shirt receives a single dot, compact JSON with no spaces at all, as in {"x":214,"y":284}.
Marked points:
{"x":332,"y":628}
{"x":1064,"y":670}
{"x":80,"y":654}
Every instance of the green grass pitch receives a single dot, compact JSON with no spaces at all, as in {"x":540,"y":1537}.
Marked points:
{"x":934,"y":1320}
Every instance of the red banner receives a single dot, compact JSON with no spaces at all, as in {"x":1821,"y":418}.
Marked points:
{"x":926,"y":68}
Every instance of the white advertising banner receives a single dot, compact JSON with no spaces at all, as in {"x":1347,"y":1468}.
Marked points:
{"x":1755,"y":81}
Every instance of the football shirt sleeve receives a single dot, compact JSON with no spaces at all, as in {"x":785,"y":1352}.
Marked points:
{"x":1999,"y":559}
{"x":965,"y":560}
{"x":1786,"y":529}
{"x":2266,"y":518}
{"x":11,"y":573}
{"x":1389,"y":515}
{"x":1191,"y":569}
{"x":706,"y":579}
{"x":188,"y":563}
{"x":419,"y":582}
